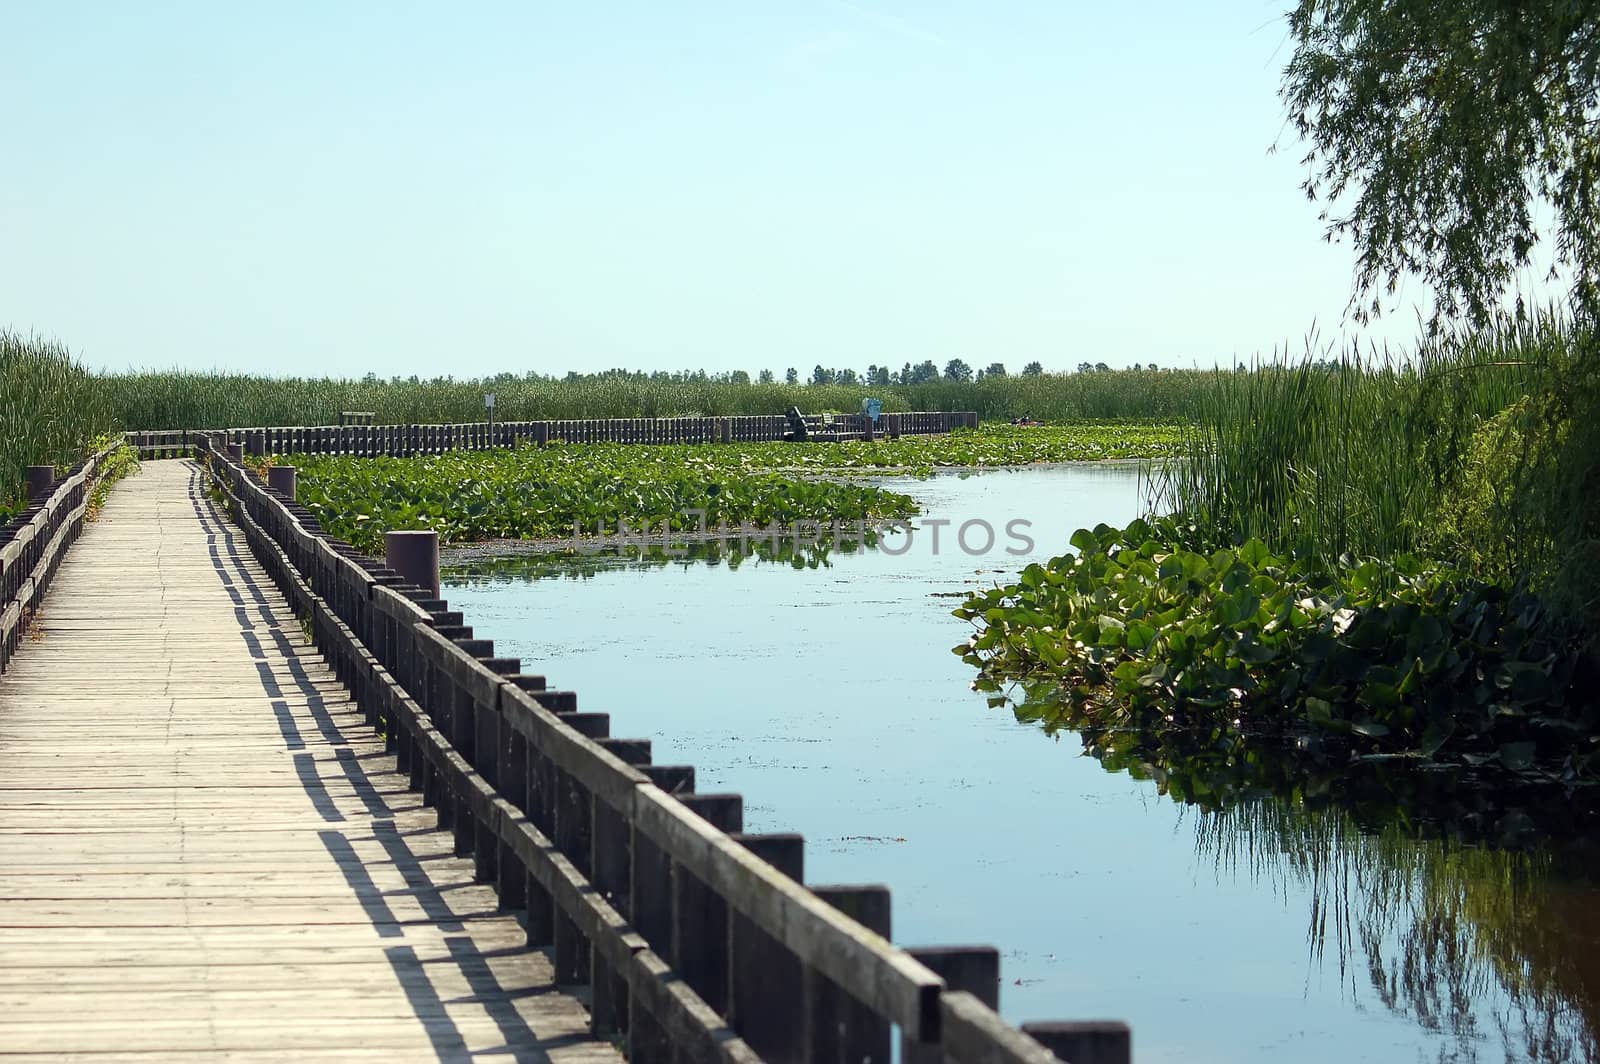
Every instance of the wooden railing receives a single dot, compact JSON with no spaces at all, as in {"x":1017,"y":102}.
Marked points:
{"x":32,"y":546}
{"x":698,"y":942}
{"x":407,"y":440}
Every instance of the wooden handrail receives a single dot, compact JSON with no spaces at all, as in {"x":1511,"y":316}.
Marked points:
{"x":36,"y":545}
{"x":396,"y":441}
{"x":615,"y":873}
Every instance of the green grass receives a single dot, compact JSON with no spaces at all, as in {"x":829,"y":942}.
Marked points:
{"x":51,"y":410}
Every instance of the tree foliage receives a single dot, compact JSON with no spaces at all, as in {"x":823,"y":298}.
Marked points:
{"x":1449,"y":125}
{"x":957,"y":370}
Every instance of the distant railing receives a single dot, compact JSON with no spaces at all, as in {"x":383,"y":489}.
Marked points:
{"x":698,"y":942}
{"x":406,"y":440}
{"x":32,"y":546}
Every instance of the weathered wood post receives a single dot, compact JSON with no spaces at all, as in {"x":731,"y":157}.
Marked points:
{"x":975,"y":969}
{"x":838,"y":1028}
{"x":541,"y":433}
{"x":1094,"y":1042}
{"x":766,"y":981}
{"x":699,"y":914}
{"x":236,"y":453}
{"x":414,"y":554}
{"x":41,"y":481}
{"x":281,"y":478}
{"x":257,"y":443}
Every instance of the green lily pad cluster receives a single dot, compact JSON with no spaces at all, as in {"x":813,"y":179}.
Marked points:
{"x":1396,"y":657}
{"x":987,"y":446}
{"x":531,"y":493}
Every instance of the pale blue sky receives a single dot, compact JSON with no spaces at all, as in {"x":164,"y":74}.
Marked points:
{"x":469,"y":188}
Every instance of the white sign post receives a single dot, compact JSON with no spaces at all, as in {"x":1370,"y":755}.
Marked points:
{"x":488,"y":404}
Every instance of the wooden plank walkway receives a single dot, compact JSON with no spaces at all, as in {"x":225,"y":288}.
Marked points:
{"x":203,"y":854}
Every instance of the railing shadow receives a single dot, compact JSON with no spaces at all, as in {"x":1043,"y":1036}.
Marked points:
{"x":283,"y":674}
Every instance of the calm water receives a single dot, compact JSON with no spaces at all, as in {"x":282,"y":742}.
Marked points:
{"x":828,"y":696}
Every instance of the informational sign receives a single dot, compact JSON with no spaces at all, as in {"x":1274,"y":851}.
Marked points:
{"x":488,"y":400}
{"x":871,"y":408}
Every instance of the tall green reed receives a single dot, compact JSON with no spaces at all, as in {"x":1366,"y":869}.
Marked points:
{"x":1376,"y":453}
{"x":177,"y":399}
{"x":51,"y":409}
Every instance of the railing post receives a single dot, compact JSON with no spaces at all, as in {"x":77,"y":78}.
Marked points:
{"x":41,"y":481}
{"x":1095,"y":1042}
{"x":975,"y":969}
{"x":766,"y":984}
{"x":414,"y":554}
{"x":699,"y":948}
{"x":281,"y":478}
{"x":838,"y":1028}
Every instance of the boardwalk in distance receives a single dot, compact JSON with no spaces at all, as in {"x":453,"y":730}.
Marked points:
{"x":203,"y":852}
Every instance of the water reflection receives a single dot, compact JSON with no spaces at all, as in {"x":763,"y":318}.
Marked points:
{"x":1466,"y":905}
{"x":802,"y":552}
{"x":1275,"y":905}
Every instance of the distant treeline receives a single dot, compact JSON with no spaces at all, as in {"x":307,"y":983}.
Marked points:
{"x":204,"y":400}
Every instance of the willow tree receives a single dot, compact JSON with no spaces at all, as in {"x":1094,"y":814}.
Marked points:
{"x":1442,"y":132}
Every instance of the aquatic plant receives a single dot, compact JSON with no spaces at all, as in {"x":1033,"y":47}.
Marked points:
{"x":1400,"y":657}
{"x":557,"y":492}
{"x":987,"y":446}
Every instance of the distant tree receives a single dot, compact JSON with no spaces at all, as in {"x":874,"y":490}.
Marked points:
{"x":957,"y":370}
{"x":1152,"y":366}
{"x":1085,"y":367}
{"x":739,"y":376}
{"x":925,"y":372}
{"x":790,"y":376}
{"x":1137,"y":367}
{"x":996,"y":369}
{"x":872,"y":374}
{"x":1101,"y":367}
{"x":907,"y":375}
{"x":1033,"y":369}
{"x":765,"y":376}
{"x":980,"y":374}
{"x":846,"y":376}
{"x":879,"y":377}
{"x":821,"y":375}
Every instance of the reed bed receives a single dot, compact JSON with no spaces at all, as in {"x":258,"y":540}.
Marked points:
{"x":1477,"y":450}
{"x":176,"y":399}
{"x":51,"y":411}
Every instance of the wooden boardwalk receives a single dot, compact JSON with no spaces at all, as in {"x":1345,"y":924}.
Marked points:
{"x":203,"y":852}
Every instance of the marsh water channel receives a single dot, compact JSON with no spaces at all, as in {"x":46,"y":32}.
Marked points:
{"x":1283,"y":926}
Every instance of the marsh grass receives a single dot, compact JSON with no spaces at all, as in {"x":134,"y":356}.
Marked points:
{"x":170,"y":400}
{"x":1475,"y":450}
{"x":51,"y":410}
